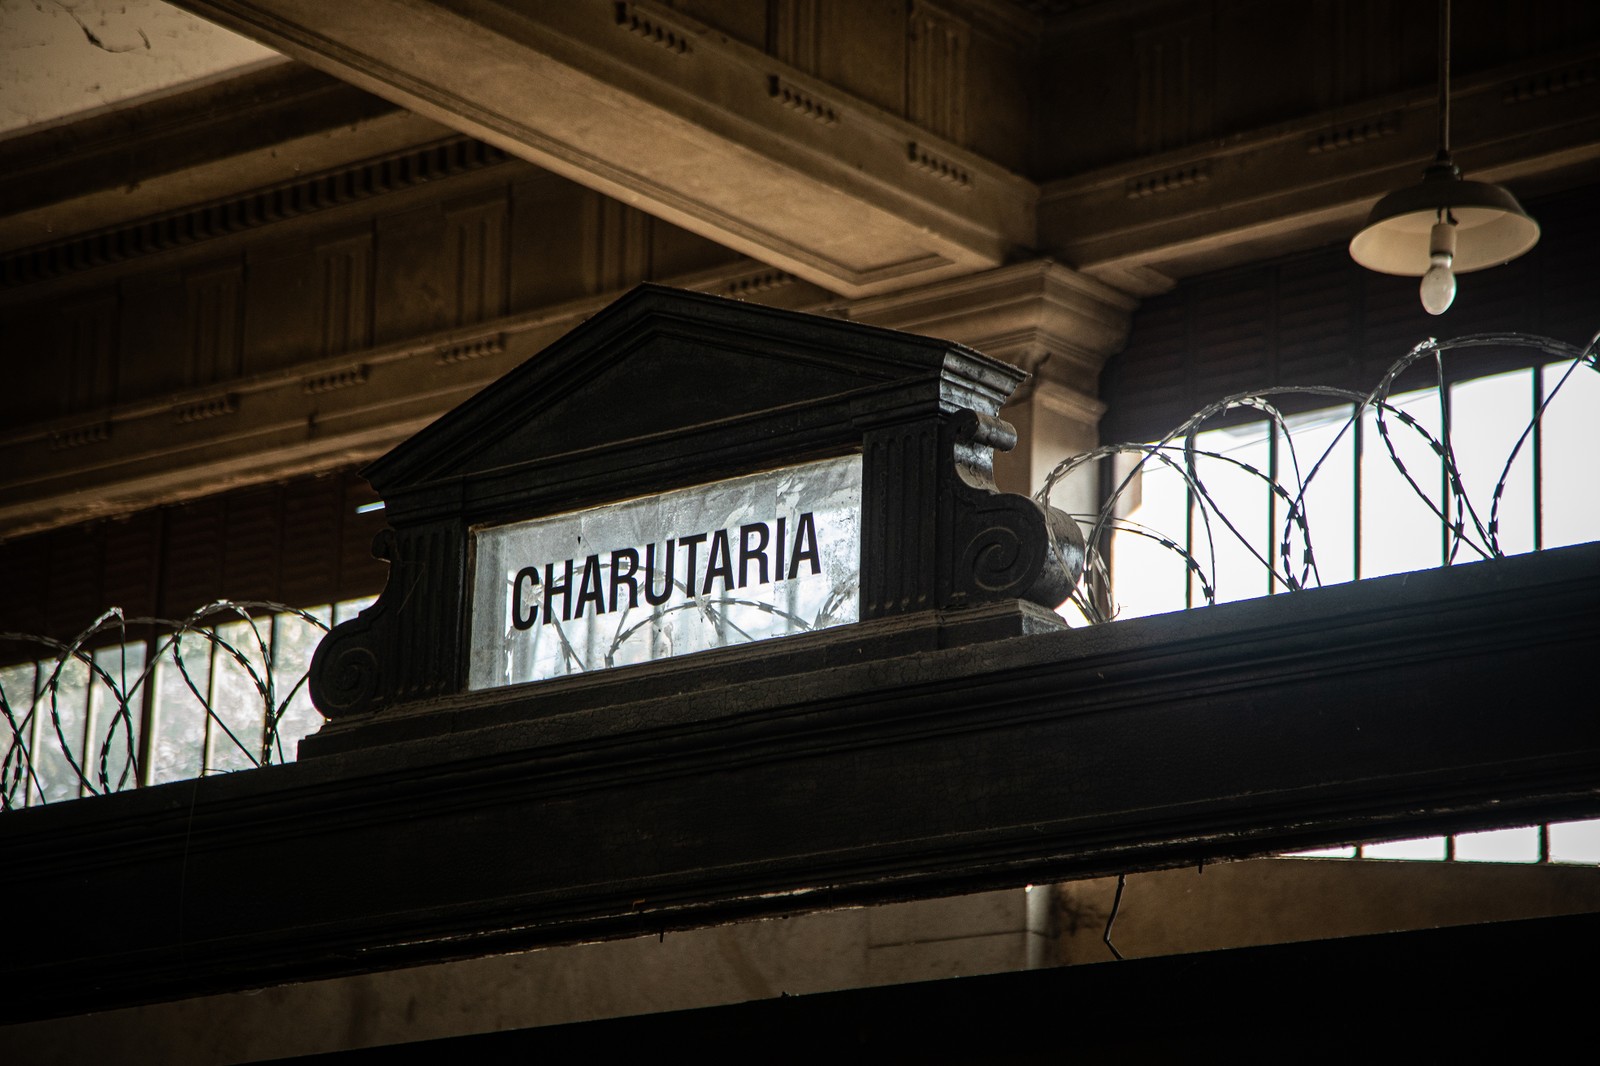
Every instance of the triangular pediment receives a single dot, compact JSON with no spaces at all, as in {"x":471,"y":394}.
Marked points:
{"x":660,"y":364}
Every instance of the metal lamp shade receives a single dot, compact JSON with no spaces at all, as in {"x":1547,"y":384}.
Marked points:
{"x":1491,"y":227}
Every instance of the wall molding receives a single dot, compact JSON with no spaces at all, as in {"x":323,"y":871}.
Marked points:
{"x":1551,"y":82}
{"x":334,"y":380}
{"x":795,"y":98}
{"x":470,"y":349}
{"x":1170,"y":180}
{"x":276,"y":203}
{"x":653,"y":27}
{"x":205,"y":408}
{"x":756,"y":283}
{"x":937,"y":47}
{"x":1348,"y":135}
{"x":79,"y":436}
{"x":921,"y":157}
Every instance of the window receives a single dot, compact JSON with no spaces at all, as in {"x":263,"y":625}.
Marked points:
{"x":1495,"y":465}
{"x":142,"y":702}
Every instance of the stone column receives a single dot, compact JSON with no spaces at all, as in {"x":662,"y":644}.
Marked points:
{"x":1047,"y":318}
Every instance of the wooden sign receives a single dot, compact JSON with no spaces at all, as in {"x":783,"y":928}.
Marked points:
{"x":685,"y":474}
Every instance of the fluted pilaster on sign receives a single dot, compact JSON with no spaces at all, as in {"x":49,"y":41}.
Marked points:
{"x":899,"y":497}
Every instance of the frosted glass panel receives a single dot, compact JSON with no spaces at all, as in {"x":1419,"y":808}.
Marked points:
{"x":1571,"y":504}
{"x":1421,"y":848}
{"x":1400,"y":527}
{"x":1236,"y":531}
{"x":1320,"y":448}
{"x":751,"y":558}
{"x":238,"y":702}
{"x":1488,"y":416}
{"x":1149,"y":575}
{"x":294,"y":641}
{"x":1499,"y":845}
{"x":1575,"y":842}
{"x":116,"y":716}
{"x":182,"y":678}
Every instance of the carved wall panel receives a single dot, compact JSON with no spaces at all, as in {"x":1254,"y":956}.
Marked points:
{"x":1362,"y":52}
{"x":794,"y":33}
{"x":476,"y":231}
{"x":616,"y":244}
{"x":1173,"y":101}
{"x":344,"y":272}
{"x":215,"y":322}
{"x":936,"y":72}
{"x":863,"y":49}
{"x":266,"y":330}
{"x":86,"y":353}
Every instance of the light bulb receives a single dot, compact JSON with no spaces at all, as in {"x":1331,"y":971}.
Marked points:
{"x":1438,"y":286}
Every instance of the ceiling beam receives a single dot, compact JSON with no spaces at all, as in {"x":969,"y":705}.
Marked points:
{"x":668,"y":115}
{"x":171,"y":153}
{"x":1142,"y":224}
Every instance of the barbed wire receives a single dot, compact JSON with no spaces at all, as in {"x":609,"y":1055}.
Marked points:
{"x":1179,"y":451}
{"x":37,"y":722}
{"x":148,"y":642}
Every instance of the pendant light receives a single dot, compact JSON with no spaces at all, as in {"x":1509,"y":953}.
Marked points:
{"x":1444,"y":226}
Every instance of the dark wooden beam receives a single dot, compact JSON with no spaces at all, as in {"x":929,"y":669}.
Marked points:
{"x":1410,"y":705}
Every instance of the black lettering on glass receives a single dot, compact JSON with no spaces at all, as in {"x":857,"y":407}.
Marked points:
{"x":530,"y":574}
{"x":650,"y":595}
{"x":621,"y":577}
{"x":758,"y":552}
{"x":720,"y":564}
{"x":589,"y":588}
{"x":551,"y":590}
{"x":782,"y":543}
{"x":805,"y":546}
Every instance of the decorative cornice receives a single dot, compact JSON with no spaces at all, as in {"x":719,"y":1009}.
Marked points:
{"x":333,"y":380}
{"x":204,"y":409}
{"x":1347,"y":135}
{"x":78,"y":436}
{"x":795,"y":98}
{"x":758,"y":282}
{"x":1550,"y":82}
{"x":653,"y":26}
{"x":944,"y":169}
{"x":472,"y":348}
{"x":1181,"y":177}
{"x":277,"y":203}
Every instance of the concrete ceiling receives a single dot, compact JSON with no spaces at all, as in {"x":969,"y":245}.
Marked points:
{"x":61,"y":59}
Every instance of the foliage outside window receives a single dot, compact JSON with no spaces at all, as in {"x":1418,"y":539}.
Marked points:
{"x":139,"y":702}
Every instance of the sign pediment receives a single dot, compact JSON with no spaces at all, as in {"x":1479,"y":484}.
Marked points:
{"x":706,"y":374}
